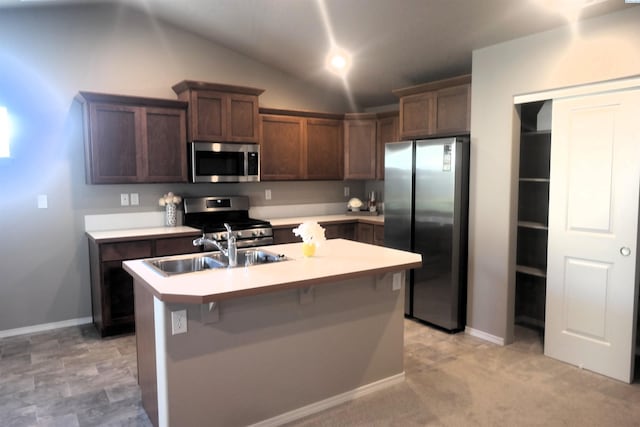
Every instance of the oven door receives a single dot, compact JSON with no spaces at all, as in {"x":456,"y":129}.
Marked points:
{"x":218,"y":162}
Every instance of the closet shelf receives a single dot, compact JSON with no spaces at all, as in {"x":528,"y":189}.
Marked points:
{"x":532,"y":224}
{"x":534,"y":180}
{"x":536,"y":132}
{"x":531,"y":270}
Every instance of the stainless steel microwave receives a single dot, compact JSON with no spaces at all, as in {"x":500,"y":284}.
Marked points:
{"x":224,"y":162}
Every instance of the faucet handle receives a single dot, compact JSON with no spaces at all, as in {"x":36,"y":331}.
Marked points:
{"x":228,"y":227}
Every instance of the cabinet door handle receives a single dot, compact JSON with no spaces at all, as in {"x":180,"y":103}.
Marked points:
{"x":625,"y":251}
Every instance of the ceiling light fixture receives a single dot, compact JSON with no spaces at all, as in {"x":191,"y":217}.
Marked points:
{"x":338,"y":61}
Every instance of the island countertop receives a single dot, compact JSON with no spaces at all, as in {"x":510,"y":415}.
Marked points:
{"x":335,"y":259}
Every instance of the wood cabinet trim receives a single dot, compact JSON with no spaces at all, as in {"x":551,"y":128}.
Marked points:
{"x":218,"y":87}
{"x":105,"y":98}
{"x":300,"y":113}
{"x":434,"y":85}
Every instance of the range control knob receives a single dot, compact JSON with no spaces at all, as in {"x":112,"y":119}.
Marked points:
{"x":239,"y":234}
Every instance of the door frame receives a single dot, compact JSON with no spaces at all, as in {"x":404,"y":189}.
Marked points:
{"x":621,"y":84}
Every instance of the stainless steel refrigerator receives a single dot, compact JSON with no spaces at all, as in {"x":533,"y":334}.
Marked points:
{"x":426,"y":199}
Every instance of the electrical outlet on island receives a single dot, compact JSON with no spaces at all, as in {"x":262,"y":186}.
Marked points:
{"x":178,"y":322}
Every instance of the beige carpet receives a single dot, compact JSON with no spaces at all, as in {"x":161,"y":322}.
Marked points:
{"x":458,"y":380}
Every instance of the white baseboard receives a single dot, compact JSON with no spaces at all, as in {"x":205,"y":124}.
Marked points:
{"x":296,"y":414}
{"x":45,"y":327}
{"x":484,"y":336}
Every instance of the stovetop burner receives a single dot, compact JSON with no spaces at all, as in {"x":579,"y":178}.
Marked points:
{"x":209,"y":214}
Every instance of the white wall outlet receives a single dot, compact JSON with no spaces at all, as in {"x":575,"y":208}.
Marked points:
{"x":346,"y":191}
{"x":397,"y":282}
{"x":178,"y":322}
{"x":267,"y":194}
{"x":124,"y":199}
{"x":42,"y":201}
{"x":134,"y":198}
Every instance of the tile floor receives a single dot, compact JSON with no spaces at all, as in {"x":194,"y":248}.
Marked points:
{"x":69,"y":377}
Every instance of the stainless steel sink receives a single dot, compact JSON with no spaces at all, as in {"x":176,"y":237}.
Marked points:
{"x":178,"y":265}
{"x":191,"y":263}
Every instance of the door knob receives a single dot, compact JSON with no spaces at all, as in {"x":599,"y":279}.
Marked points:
{"x":625,"y":251}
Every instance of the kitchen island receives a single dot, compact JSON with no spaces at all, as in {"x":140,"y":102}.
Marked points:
{"x":267,"y":344}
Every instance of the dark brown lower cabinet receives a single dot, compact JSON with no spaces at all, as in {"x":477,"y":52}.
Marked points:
{"x":347,"y":230}
{"x":112,"y":287}
{"x":361,"y":232}
{"x":365,"y":233}
{"x":378,"y":235}
{"x":372,"y":234}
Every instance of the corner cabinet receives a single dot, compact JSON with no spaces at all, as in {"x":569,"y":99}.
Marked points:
{"x":220,"y":113}
{"x":533,"y":213}
{"x":133,"y":140}
{"x":360,"y":146}
{"x":112,"y":287}
{"x":298,"y":145}
{"x":436,"y":108}
{"x":386,"y":131}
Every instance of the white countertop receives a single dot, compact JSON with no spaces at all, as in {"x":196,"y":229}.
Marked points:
{"x":151,"y":232}
{"x":132,"y":233}
{"x":335,"y":260}
{"x":295,"y":221}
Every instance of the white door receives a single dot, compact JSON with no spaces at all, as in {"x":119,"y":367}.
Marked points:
{"x":593,"y":229}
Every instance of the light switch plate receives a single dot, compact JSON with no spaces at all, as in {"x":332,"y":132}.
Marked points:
{"x":346,"y":191}
{"x":124,"y":199}
{"x":134,"y":199}
{"x":42,"y":201}
{"x":267,"y":194}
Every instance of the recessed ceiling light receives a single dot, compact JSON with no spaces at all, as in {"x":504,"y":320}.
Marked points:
{"x":338,"y":61}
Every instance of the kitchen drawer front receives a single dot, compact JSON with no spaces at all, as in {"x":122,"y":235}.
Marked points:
{"x":176,"y":246}
{"x":125,"y":250}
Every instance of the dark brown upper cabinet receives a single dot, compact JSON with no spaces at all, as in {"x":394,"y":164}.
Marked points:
{"x":387,"y":131}
{"x":360,"y":146}
{"x":324,"y":148}
{"x":220,"y":113}
{"x":435,"y":109}
{"x":133,"y":140}
{"x":282,"y":149}
{"x":300,"y":145}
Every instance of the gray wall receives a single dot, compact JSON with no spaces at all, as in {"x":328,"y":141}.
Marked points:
{"x":351,"y":335}
{"x":601,"y":49}
{"x":47,"y":56}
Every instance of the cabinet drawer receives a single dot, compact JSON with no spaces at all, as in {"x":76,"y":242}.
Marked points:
{"x":125,"y":250}
{"x":176,"y":246}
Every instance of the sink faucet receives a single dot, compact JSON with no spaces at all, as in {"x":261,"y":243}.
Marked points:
{"x":231,"y":251}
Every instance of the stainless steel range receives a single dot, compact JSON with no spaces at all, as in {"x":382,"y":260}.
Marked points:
{"x":209,"y":214}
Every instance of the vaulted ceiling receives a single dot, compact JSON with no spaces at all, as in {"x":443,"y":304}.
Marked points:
{"x":394,"y":43}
